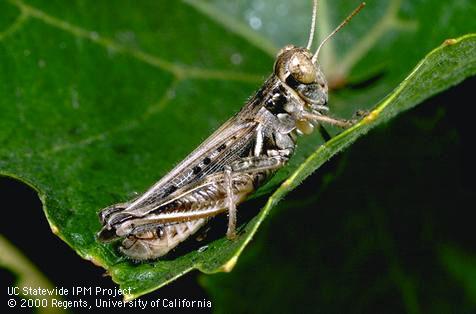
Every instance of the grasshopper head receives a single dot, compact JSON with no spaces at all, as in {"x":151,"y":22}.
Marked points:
{"x":298,"y":67}
{"x":295,"y":67}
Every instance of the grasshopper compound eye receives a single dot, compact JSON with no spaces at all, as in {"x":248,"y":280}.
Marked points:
{"x":301,"y":68}
{"x":295,"y":66}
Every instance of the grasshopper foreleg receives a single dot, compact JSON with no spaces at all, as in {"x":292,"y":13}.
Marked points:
{"x":341,"y":123}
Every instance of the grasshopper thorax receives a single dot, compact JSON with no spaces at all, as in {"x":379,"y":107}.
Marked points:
{"x":295,"y":67}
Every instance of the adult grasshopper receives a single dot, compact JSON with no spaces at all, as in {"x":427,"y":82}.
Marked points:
{"x":232,"y":163}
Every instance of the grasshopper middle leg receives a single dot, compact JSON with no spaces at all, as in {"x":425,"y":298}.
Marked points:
{"x":251,"y":165}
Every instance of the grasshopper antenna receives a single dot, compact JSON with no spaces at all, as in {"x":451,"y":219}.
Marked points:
{"x":313,"y":25}
{"x":338,"y":28}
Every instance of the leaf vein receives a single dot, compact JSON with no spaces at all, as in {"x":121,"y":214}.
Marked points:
{"x":233,"y":25}
{"x":179,"y":71}
{"x":131,"y":124}
{"x":15,"y":26}
{"x":387,"y":22}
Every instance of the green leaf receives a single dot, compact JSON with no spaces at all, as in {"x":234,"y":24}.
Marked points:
{"x":94,"y":102}
{"x":462,"y":266}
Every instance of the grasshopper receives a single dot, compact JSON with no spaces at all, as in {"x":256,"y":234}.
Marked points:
{"x":232,"y":163}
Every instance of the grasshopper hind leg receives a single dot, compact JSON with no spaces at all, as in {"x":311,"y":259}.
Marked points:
{"x":107,"y":233}
{"x":105,"y":213}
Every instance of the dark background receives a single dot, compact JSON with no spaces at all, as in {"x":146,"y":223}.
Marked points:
{"x":418,"y":168}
